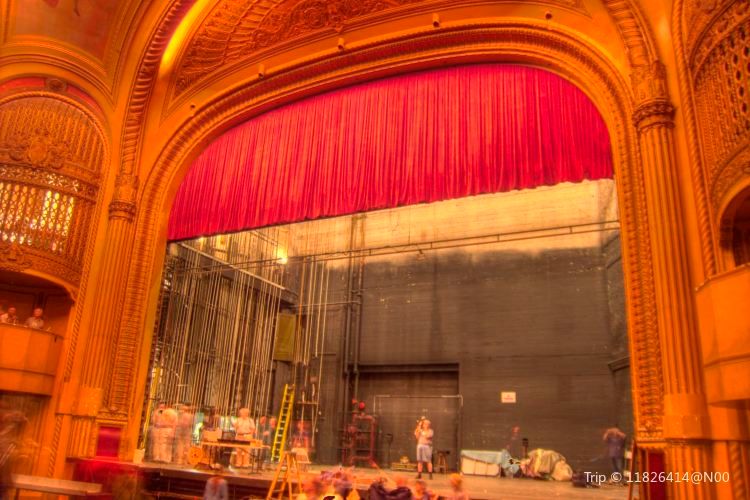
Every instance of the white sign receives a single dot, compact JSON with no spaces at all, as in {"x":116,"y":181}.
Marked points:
{"x":507,"y":397}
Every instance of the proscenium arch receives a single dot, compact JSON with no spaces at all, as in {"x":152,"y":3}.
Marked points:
{"x":556,"y":50}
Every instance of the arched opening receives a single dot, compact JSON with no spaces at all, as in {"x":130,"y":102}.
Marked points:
{"x":34,"y":314}
{"x":736,"y":229}
{"x":246,"y":266}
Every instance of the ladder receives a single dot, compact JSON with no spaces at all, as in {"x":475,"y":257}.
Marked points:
{"x":282,"y":426}
{"x":283,"y":487}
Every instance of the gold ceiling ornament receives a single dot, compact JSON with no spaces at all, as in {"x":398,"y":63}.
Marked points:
{"x":52,"y":132}
{"x":235,"y":30}
{"x":726,"y":21}
{"x":700,"y":18}
{"x":56,"y":85}
{"x":13,"y":257}
{"x":720,"y":72}
{"x":38,"y":148}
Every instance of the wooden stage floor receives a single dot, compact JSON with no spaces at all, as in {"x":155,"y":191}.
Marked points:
{"x":489,"y":488}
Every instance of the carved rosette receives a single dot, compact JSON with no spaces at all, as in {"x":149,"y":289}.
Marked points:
{"x":13,"y":258}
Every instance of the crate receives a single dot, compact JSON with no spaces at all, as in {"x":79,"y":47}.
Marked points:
{"x":407,"y":467}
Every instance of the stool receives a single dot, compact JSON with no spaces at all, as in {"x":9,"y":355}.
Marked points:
{"x":442,"y":463}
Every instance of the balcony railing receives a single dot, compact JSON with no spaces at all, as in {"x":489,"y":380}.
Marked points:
{"x":725,"y":335}
{"x":28,"y":359}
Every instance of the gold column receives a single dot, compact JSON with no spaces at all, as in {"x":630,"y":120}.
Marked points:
{"x":98,"y":357}
{"x":731,"y":449}
{"x":686,"y":425}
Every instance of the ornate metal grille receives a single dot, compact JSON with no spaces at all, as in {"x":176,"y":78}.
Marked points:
{"x":51,"y":154}
{"x":723,"y":95}
{"x":47,"y":212}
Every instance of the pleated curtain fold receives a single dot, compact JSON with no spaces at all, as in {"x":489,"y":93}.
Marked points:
{"x":417,"y":138}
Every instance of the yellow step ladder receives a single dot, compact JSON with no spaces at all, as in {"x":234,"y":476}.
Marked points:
{"x":289,"y":485}
{"x":282,"y":426}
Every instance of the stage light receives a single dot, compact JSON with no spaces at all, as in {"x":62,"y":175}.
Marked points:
{"x":282,"y":257}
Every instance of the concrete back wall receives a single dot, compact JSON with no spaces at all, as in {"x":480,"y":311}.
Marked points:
{"x":544,"y":324}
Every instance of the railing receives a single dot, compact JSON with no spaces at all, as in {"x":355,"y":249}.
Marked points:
{"x":28,"y":359}
{"x":46,"y":215}
{"x":725,"y":334}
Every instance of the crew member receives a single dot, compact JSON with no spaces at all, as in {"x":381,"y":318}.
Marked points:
{"x":424,"y":434}
{"x":244,"y":429}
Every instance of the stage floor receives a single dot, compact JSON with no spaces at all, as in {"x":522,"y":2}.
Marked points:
{"x":489,"y":488}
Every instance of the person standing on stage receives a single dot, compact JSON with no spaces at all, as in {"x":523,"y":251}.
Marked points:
{"x":154,"y":433}
{"x":424,"y":435}
{"x":244,"y":428}
{"x":266,"y":429}
{"x":165,"y":441}
{"x":211,"y":431}
{"x":183,"y":435}
{"x":615,"y":439}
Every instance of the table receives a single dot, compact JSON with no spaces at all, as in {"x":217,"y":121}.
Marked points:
{"x":197,"y":456}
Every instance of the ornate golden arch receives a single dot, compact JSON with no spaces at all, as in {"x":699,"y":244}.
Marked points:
{"x":520,"y":42}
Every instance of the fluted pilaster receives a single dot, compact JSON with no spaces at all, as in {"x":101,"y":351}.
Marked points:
{"x":686,"y":423}
{"x":688,"y":460}
{"x":102,"y":343}
{"x":677,"y":326}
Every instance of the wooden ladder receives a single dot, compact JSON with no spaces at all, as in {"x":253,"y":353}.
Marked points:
{"x":283,"y":487}
{"x":282,"y":426}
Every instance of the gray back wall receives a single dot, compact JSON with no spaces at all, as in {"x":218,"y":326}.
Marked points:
{"x":546,"y":325}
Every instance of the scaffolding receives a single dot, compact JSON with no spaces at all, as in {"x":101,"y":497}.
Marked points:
{"x":215,"y":337}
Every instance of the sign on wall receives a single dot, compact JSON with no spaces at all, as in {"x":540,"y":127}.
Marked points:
{"x":508,"y":397}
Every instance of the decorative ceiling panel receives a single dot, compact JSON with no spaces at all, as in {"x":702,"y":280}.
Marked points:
{"x":81,"y":23}
{"x":234,"y":30}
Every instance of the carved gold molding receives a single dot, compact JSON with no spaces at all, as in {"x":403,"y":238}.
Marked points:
{"x":51,"y":155}
{"x":234,"y":31}
{"x":696,"y":16}
{"x":634,"y":31}
{"x":140,"y":94}
{"x":652,"y":113}
{"x":22,"y":258}
{"x":706,"y":224}
{"x":726,"y":177}
{"x":720,"y":70}
{"x":49,"y":130}
{"x":13,"y":258}
{"x":726,"y":18}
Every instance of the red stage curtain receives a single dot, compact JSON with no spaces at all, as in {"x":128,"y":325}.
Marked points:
{"x":417,"y":138}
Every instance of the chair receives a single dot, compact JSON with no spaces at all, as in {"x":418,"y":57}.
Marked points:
{"x":442,"y":462}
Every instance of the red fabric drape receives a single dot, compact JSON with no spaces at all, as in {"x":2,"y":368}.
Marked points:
{"x":422,"y":137}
